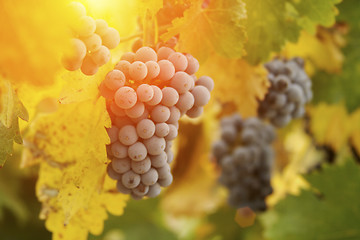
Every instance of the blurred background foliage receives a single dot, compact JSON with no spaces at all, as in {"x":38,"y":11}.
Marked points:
{"x":316,"y":175}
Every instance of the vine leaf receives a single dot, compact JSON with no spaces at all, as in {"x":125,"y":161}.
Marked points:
{"x":10,"y":110}
{"x":333,"y":187}
{"x":218,"y":28}
{"x":329,"y":124}
{"x":237,"y":82}
{"x":343,"y":86}
{"x":73,"y":185}
{"x":311,"y":13}
{"x":271,"y":24}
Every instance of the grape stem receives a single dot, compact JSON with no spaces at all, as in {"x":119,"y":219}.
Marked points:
{"x":162,"y":29}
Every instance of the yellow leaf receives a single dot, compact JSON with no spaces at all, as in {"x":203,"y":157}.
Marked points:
{"x":237,"y":82}
{"x":72,"y":185}
{"x":322,"y":51}
{"x":195,"y":176}
{"x":33,"y":36}
{"x":329,"y":125}
{"x":217,"y":28}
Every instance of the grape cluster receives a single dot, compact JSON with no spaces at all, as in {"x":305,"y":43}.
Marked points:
{"x":146,"y":94}
{"x":290,"y":90}
{"x":245,"y":157}
{"x":91,"y":43}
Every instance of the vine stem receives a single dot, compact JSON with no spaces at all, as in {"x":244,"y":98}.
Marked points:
{"x":161,"y":30}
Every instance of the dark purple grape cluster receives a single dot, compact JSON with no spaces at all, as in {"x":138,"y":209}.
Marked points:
{"x":290,"y":90}
{"x":245,"y":156}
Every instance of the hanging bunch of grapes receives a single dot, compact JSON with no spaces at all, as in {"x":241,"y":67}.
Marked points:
{"x":245,"y":156}
{"x":91,"y":42}
{"x":147,"y":93}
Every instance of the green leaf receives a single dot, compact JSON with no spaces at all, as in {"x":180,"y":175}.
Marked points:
{"x":271,"y":24}
{"x":344,"y":86}
{"x":218,"y":28}
{"x":316,"y":12}
{"x":141,"y":220}
{"x":10,"y":110}
{"x":330,"y":211}
{"x":224,"y":227}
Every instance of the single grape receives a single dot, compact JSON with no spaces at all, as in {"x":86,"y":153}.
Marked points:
{"x":173,"y":132}
{"x":166,"y":181}
{"x":121,"y":188}
{"x":157,"y":96}
{"x":106,"y":92}
{"x":170,"y":96}
{"x":155,"y":145}
{"x":118,"y":150}
{"x":121,"y":165}
{"x":181,"y":82}
{"x":136,"y":111}
{"x":201,"y":95}
{"x":164,"y":171}
{"x":295,"y":94}
{"x":179,"y":61}
{"x":71,"y":64}
{"x":137,"y":151}
{"x":145,"y":128}
{"x":153,"y":70}
{"x":110,"y":38}
{"x":92,"y":42}
{"x":77,"y":10}
{"x":160,"y":114}
{"x":128,"y":135}
{"x":123,"y":66}
{"x":193,"y":64}
{"x":128,"y":56}
{"x":114,"y":79}
{"x":206,"y":82}
{"x":168,"y":145}
{"x":130,"y":179}
{"x":141,"y":190}
{"x":111,"y":173}
{"x":220,"y":149}
{"x":145,"y":92}
{"x":159,"y":161}
{"x":85,"y":26}
{"x":145,"y":54}
{"x":89,"y":67}
{"x":154,"y":190}
{"x":170,"y":156}
{"x":125,"y":97}
{"x":119,"y":112}
{"x":150,"y":177}
{"x":137,"y":71}
{"x":186,"y":102}
{"x":141,"y":167}
{"x":101,"y":56}
{"x":145,"y":115}
{"x":167,"y":70}
{"x":73,"y":60}
{"x":195,"y":112}
{"x":162,"y":129}
{"x":101,"y":27}
{"x":174,"y":115}
{"x":164,"y":52}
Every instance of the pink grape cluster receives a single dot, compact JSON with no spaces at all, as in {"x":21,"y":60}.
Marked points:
{"x":147,"y":93}
{"x":91,"y":43}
